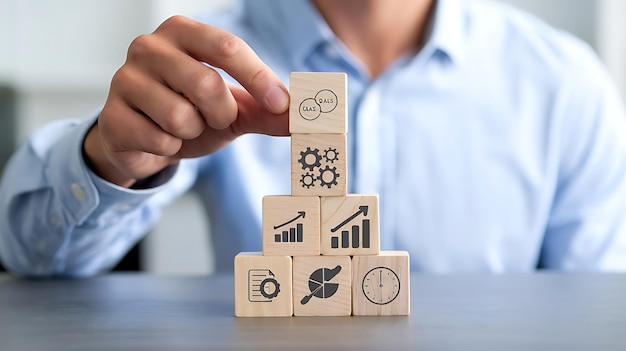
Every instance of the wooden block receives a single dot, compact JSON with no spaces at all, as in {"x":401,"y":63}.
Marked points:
{"x":263,"y":286}
{"x":318,"y":103}
{"x":291,"y":226}
{"x":350,"y":225}
{"x":381,"y":284}
{"x":318,"y":165}
{"x":322,"y":286}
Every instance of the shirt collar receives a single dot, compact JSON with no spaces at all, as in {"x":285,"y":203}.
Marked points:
{"x":447,"y":30}
{"x":300,"y":29}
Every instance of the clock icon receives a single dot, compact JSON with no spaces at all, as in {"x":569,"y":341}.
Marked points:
{"x":381,"y":285}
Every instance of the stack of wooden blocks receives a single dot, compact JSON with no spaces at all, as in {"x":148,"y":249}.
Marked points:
{"x":321,"y":247}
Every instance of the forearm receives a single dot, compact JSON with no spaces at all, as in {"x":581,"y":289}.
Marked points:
{"x":63,"y":220}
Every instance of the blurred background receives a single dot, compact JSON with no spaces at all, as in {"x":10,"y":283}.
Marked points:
{"x":57,"y":58}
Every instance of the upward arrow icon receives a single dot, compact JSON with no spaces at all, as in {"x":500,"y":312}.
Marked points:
{"x":362,"y":209}
{"x":300,"y":214}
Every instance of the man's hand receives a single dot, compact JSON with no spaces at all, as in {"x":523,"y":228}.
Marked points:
{"x":165,"y":104}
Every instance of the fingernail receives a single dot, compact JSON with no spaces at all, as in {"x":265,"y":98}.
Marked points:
{"x":277,"y":99}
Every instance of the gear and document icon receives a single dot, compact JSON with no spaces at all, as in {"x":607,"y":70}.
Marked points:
{"x":262,"y":285}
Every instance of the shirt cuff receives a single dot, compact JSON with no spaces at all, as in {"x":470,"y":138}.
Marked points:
{"x":82,"y":192}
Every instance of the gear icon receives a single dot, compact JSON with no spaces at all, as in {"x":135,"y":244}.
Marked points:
{"x":324,"y":174}
{"x":331,"y":155}
{"x":307,"y":180}
{"x":305,"y":158}
{"x":273,"y":292}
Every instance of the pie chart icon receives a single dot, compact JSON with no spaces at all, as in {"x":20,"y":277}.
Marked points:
{"x":319,"y":284}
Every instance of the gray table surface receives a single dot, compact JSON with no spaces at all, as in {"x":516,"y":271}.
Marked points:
{"x":459,"y":312}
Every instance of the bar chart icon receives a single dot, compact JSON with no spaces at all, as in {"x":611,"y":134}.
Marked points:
{"x":293,"y":234}
{"x":356,"y":236}
{"x":291,"y":225}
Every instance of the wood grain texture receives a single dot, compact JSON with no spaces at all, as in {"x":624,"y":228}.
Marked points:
{"x":291,"y":226}
{"x":263,"y":285}
{"x":318,"y":103}
{"x":318,"y":165}
{"x":381,"y":284}
{"x":350,"y":225}
{"x":317,"y":276}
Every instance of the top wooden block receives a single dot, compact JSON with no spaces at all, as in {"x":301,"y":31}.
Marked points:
{"x":318,"y":103}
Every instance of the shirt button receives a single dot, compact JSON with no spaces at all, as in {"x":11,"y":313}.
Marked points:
{"x":55,"y":222}
{"x":78,"y":192}
{"x":331,"y":52}
{"x":123,"y":206}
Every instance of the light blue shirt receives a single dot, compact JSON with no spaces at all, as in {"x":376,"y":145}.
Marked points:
{"x":499,"y":147}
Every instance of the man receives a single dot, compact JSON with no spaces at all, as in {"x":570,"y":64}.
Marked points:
{"x":495,"y":142}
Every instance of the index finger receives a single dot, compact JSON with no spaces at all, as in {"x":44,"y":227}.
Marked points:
{"x":227,"y":51}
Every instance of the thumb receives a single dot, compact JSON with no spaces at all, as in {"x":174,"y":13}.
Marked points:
{"x":253,"y":118}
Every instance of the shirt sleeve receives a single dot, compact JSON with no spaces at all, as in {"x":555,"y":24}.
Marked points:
{"x":59,"y":218}
{"x":587,"y":225}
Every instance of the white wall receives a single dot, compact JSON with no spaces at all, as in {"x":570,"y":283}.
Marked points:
{"x":162,"y":9}
{"x":575,"y":16}
{"x":60,"y":56}
{"x":598,"y":22}
{"x":611,"y":43}
{"x":7,"y":35}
